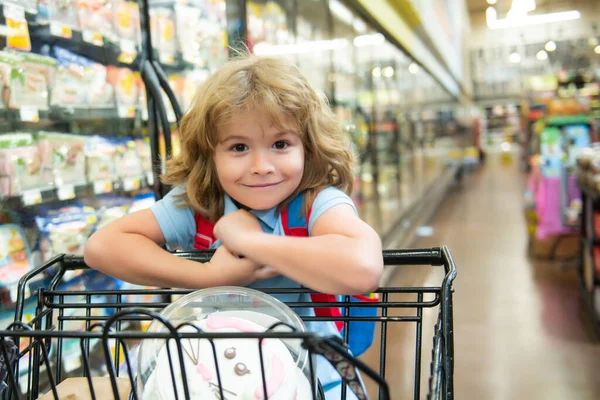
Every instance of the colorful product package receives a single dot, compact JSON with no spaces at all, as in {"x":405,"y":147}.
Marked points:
{"x":62,"y":156}
{"x":187,"y":23}
{"x":162,"y":24}
{"x":142,"y":202}
{"x":20,"y":164}
{"x":97,"y":16}
{"x":30,"y":81}
{"x":127,"y":20}
{"x":14,"y":255}
{"x":71,"y":83}
{"x":191,"y":82}
{"x":100,"y":159}
{"x":125,"y":85}
{"x":65,"y":230}
{"x":80,"y":82}
{"x":127,"y":160}
{"x":212,"y":35}
{"x":18,"y":31}
{"x":58,"y":11}
{"x":8,"y":61}
{"x":144,"y":153}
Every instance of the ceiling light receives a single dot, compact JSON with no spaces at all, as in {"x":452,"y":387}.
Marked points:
{"x":413,"y":68}
{"x":597,"y":49}
{"x":376,"y":72}
{"x":388,"y":72}
{"x":523,"y":20}
{"x":368,"y":40}
{"x":341,"y":11}
{"x":542,"y":55}
{"x":550,"y":46}
{"x":514,"y":58}
{"x":592,"y":41}
{"x":492,"y":2}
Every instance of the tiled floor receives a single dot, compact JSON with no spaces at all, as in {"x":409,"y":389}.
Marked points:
{"x":520,"y":332}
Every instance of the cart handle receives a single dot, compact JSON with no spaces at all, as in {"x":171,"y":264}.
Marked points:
{"x":68,"y":262}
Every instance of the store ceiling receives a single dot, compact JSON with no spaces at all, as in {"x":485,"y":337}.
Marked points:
{"x":502,"y":6}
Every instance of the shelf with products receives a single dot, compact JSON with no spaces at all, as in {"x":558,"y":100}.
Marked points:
{"x":588,"y":171}
{"x":106,"y":33}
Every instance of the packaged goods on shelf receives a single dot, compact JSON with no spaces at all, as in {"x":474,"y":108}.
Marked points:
{"x":17,"y":35}
{"x":100,"y":159}
{"x":20,"y":164}
{"x":63,"y":156}
{"x":97,"y":16}
{"x":15,"y":255}
{"x":162,"y":22}
{"x":127,"y":20}
{"x":8,"y":61}
{"x":80,"y":82}
{"x":144,"y":152}
{"x":65,"y":230}
{"x":187,"y":23}
{"x":191,"y":82}
{"x":59,"y":12}
{"x":30,"y":80}
{"x":127,"y":160}
{"x":126,"y":85}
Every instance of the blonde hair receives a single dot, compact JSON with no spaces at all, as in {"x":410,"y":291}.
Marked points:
{"x":274,"y":86}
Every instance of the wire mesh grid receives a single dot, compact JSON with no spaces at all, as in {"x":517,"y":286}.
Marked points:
{"x":94,"y":335}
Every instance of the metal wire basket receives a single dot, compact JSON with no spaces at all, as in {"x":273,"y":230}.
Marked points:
{"x":40,"y":352}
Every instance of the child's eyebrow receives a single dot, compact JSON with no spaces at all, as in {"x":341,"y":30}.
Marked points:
{"x":245,"y":138}
{"x":233,"y":137}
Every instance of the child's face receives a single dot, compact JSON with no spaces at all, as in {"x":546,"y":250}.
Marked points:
{"x":258,"y":164}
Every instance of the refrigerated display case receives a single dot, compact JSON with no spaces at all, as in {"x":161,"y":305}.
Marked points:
{"x":92,"y":91}
{"x":80,"y":140}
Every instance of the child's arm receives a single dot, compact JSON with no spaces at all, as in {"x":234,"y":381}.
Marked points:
{"x":342,"y":256}
{"x":129,"y":249}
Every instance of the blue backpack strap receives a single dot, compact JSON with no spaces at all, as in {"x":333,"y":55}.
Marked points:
{"x":294,"y":223}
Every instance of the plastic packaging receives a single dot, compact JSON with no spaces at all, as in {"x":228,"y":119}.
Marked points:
{"x":62,"y":157}
{"x":227,"y":309}
{"x":30,"y":81}
{"x":100,"y":159}
{"x":20,"y":164}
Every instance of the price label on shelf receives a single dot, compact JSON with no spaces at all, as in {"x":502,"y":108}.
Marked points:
{"x":66,"y":192}
{"x":29,"y":114}
{"x":101,"y":187}
{"x":92,"y":37}
{"x":130,"y":184}
{"x":126,"y":111}
{"x":60,"y":30}
{"x":31,"y":197}
{"x":128,"y":46}
{"x":149,"y":178}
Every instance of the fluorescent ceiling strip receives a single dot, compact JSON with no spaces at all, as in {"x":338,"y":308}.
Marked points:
{"x":525,"y":20}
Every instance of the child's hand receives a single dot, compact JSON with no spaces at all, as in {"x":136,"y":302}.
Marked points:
{"x":233,"y":228}
{"x":233,"y":270}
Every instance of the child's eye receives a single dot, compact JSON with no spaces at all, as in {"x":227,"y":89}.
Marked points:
{"x":280,"y":144}
{"x":238,"y":148}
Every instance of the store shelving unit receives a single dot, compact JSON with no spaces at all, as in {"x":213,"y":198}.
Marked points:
{"x":589,"y":263}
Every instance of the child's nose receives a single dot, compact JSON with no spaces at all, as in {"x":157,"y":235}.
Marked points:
{"x":261,"y":164}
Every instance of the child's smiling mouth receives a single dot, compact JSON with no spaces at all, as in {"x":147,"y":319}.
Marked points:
{"x":262,"y":185}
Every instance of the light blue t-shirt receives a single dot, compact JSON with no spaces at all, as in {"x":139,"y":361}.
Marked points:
{"x":179,"y":229}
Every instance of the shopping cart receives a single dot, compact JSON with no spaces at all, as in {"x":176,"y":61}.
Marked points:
{"x":37,"y":349}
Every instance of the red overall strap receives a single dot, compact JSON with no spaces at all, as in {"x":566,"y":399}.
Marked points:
{"x":204,"y":233}
{"x":298,"y":227}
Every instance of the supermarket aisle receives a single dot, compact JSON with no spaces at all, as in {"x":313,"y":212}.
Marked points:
{"x":518,"y":329}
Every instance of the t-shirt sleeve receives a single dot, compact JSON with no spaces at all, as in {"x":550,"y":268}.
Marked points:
{"x":176,"y":223}
{"x":327,"y":198}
